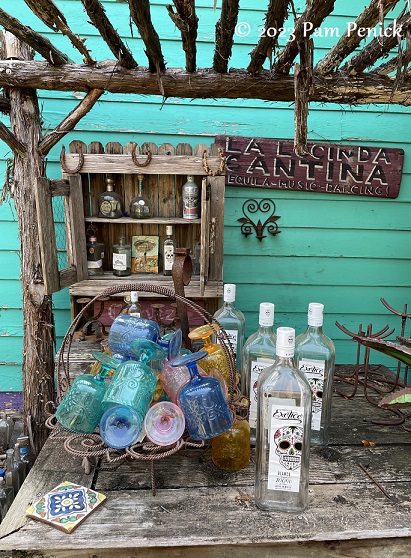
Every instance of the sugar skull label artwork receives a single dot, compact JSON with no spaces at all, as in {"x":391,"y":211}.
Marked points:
{"x":257,"y":366}
{"x":314,"y":372}
{"x":286,"y":443}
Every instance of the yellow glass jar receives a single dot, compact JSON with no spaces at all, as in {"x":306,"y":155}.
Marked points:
{"x":231,"y":450}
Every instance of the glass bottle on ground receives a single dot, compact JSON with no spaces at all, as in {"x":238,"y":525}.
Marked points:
{"x":283,"y":432}
{"x":140,"y":207}
{"x":6,"y":496}
{"x":233,"y":322}
{"x":12,"y":473}
{"x":26,"y":453}
{"x":122,"y":258}
{"x":133,"y":307}
{"x":5,"y":433}
{"x":315,"y":357}
{"x":258,"y":353}
{"x":110,"y":205}
{"x":95,"y":256}
{"x":168,"y":251}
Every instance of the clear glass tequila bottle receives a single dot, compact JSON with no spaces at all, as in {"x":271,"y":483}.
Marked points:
{"x":133,"y":307}
{"x":233,"y":322}
{"x":110,"y":205}
{"x":95,"y":256}
{"x":315,"y":357}
{"x":283,"y":432}
{"x":122,"y":258}
{"x":140,"y":207}
{"x":168,"y":251}
{"x":258,"y":353}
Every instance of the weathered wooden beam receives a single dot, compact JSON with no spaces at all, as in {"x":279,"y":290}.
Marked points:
{"x":50,"y":15}
{"x":70,"y":121}
{"x":8,"y":137}
{"x":33,"y":39}
{"x":277,"y":13}
{"x":186,"y":20}
{"x":224,"y":35}
{"x":140,"y":14}
{"x":97,"y":15}
{"x":4,"y":105}
{"x":379,"y":46}
{"x":305,"y":26}
{"x":351,"y":37}
{"x":302,"y":82}
{"x":203,"y":84}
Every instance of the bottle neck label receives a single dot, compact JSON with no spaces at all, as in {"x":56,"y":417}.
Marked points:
{"x":257,"y":366}
{"x":285,"y":439}
{"x":314,"y":371}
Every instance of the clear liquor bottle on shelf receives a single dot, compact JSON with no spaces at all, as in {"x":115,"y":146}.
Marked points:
{"x":283,"y":432}
{"x":95,"y":256}
{"x":140,"y":207}
{"x":315,"y":357}
{"x":258,"y":353}
{"x":191,"y":205}
{"x":133,"y":307}
{"x":121,"y":258}
{"x":168,"y":251}
{"x":110,"y":205}
{"x":233,"y":321}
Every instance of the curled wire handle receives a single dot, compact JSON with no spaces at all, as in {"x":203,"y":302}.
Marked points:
{"x":391,"y":309}
{"x":63,"y":162}
{"x":220,"y":169}
{"x":136,"y":161}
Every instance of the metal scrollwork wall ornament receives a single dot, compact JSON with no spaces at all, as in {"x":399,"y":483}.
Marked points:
{"x":253,"y":209}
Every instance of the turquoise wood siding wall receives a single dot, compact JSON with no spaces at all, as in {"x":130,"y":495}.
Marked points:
{"x":344,"y":251}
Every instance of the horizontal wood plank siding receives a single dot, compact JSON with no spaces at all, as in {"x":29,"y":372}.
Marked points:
{"x":344,"y":251}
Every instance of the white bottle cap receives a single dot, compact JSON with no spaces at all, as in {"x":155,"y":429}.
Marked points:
{"x":285,"y":342}
{"x":134,"y":296}
{"x":315,"y":314}
{"x":266,"y":317}
{"x":229,"y":292}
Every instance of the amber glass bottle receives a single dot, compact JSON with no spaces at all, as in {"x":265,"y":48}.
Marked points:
{"x":231,"y":450}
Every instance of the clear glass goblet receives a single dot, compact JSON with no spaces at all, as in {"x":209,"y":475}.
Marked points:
{"x":164,"y":423}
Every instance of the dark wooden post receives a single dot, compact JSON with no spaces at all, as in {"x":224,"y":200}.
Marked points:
{"x":37,"y":309}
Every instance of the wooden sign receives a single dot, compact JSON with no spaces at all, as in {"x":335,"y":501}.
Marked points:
{"x":329,"y":168}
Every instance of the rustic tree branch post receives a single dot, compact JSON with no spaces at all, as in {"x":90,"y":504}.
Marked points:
{"x":37,"y":309}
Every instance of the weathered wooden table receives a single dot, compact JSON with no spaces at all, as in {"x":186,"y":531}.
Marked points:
{"x":201,"y":509}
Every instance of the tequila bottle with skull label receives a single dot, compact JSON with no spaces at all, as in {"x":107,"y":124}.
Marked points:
{"x":315,"y":357}
{"x":283,"y":432}
{"x":258,"y":353}
{"x":233,"y":322}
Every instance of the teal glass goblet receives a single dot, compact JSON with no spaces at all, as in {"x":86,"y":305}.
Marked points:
{"x":81,"y":408}
{"x":134,"y":382}
{"x":202,"y":401}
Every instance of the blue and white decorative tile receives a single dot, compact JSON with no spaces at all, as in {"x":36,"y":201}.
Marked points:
{"x":66,"y":506}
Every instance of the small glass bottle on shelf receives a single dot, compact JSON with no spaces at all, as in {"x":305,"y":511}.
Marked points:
{"x":191,"y":205}
{"x":110,"y":205}
{"x":233,"y":321}
{"x":140,"y":207}
{"x":283,"y":432}
{"x":122,"y":258}
{"x":315,"y":358}
{"x":133,"y":307}
{"x":258,"y":353}
{"x":95,"y":256}
{"x":168,"y":251}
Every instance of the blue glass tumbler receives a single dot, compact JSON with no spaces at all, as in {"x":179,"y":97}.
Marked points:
{"x":81,"y":408}
{"x":134,"y":382}
{"x":120,"y":427}
{"x":203,"y":402}
{"x":125,"y":329}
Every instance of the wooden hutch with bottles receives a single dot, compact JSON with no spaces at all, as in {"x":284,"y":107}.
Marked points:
{"x":165,"y":170}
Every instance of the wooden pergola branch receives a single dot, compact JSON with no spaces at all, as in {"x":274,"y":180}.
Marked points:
{"x":140,"y":14}
{"x":97,"y":15}
{"x":351,"y":38}
{"x":305,"y":26}
{"x":50,"y":15}
{"x":8,"y":137}
{"x":203,"y":84}
{"x":379,"y":46}
{"x":33,"y":39}
{"x":186,"y":21}
{"x":224,"y":35}
{"x":4,"y":105}
{"x":277,"y":13}
{"x":303,"y":76}
{"x":70,"y":121}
